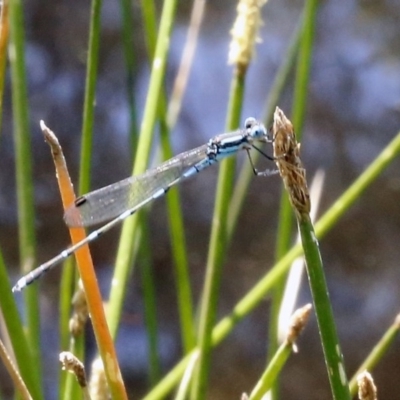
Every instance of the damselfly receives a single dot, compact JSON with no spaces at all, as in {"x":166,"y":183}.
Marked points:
{"x":122,"y":199}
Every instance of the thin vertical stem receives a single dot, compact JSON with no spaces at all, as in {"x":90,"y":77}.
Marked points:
{"x":285,"y":225}
{"x":27,"y":242}
{"x":130,"y":226}
{"x":90,"y":92}
{"x":149,"y":300}
{"x":217,"y":248}
{"x":175,"y":218}
{"x":21,"y":344}
{"x":128,"y":47}
{"x":323,"y":310}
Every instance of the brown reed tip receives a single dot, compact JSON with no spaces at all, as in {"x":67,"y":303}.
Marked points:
{"x":287,"y":158}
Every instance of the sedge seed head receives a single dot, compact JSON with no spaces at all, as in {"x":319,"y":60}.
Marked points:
{"x":245,"y":31}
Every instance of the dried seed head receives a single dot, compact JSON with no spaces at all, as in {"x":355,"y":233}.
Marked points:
{"x":298,"y":321}
{"x":366,"y":387}
{"x":245,"y":32}
{"x":285,"y":143}
{"x":80,"y":314}
{"x":287,"y":155}
{"x":71,"y":364}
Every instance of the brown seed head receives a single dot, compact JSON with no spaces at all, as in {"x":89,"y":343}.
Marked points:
{"x":287,"y":155}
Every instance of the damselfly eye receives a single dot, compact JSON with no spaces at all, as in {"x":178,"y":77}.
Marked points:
{"x":248,"y":124}
{"x":258,"y":131}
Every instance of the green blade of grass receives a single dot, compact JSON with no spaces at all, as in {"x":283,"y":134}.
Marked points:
{"x":130,"y":226}
{"x":21,"y":346}
{"x":90,"y":93}
{"x":285,"y":220}
{"x":175,"y":218}
{"x":295,"y":326}
{"x":149,"y":300}
{"x":68,"y":385}
{"x":379,"y":350}
{"x":277,"y":362}
{"x":127,"y":35}
{"x":65,"y":296}
{"x":24,"y":178}
{"x":179,"y":252}
{"x":323,"y":310}
{"x":217,"y":247}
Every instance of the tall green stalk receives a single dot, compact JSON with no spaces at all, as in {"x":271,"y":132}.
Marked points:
{"x":128,"y":47}
{"x":244,"y":35}
{"x":149,"y":300}
{"x":179,"y":252}
{"x":21,"y":344}
{"x":323,"y":310}
{"x":90,"y":94}
{"x":174,"y":209}
{"x":130,"y":227}
{"x":285,"y":224}
{"x":27,"y":242}
{"x":217,"y":248}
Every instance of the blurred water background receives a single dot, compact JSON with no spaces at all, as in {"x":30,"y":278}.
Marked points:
{"x":353,"y":111}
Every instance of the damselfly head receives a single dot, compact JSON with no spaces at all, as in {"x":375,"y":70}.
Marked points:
{"x":255,"y":129}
